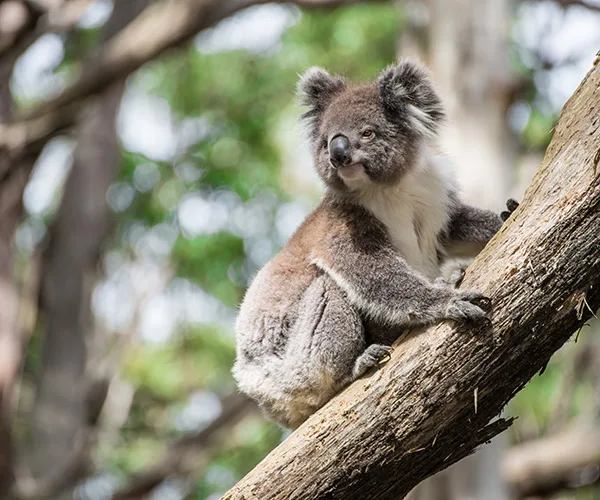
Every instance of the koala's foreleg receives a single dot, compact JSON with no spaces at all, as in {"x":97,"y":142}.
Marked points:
{"x":362,"y":261}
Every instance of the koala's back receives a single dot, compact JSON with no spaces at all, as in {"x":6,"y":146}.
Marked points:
{"x":272,"y":312}
{"x":270,"y":306}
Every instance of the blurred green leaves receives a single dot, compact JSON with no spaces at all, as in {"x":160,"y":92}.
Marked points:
{"x":198,"y":357}
{"x":207,"y":261}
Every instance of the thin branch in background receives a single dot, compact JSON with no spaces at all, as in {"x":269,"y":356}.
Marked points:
{"x":16,"y":21}
{"x":145,"y":38}
{"x":183,"y":451}
{"x":544,"y":467}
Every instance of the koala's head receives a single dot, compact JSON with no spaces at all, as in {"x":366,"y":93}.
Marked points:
{"x":369,"y":134}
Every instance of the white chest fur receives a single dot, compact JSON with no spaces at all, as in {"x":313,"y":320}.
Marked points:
{"x":415,"y":211}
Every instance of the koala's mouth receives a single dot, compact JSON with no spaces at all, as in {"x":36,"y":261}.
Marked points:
{"x":353,"y":172}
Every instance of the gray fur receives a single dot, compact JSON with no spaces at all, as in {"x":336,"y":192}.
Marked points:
{"x":364,"y":265}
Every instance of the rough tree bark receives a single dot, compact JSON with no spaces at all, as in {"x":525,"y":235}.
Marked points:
{"x":432,"y":404}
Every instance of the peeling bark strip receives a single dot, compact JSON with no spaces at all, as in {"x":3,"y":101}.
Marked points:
{"x":418,"y":414}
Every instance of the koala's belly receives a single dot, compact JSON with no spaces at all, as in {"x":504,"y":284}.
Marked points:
{"x":413,"y":227}
{"x":419,"y":247}
{"x":419,"y":256}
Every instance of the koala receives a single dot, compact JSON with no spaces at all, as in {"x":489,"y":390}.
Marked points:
{"x":364,"y":265}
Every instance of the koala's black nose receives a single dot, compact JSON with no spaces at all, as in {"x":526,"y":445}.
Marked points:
{"x":339,"y":151}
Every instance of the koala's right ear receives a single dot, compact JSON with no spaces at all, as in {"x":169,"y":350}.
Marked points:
{"x":316,"y":89}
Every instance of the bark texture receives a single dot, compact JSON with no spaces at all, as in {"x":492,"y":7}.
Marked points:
{"x":432,"y":404}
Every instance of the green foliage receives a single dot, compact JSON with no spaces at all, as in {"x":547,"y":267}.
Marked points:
{"x":253,"y":440}
{"x":535,"y":402}
{"x":207,"y":261}
{"x":537,"y":132}
{"x":199,"y":357}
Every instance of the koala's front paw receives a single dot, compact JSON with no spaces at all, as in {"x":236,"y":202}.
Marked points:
{"x":371,"y":357}
{"x":511,"y":205}
{"x":467,"y":306}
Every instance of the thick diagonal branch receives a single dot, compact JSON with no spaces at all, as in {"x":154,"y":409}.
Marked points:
{"x":432,"y":403}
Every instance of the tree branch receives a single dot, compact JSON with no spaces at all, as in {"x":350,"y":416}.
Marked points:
{"x":235,"y":408}
{"x":60,"y":18}
{"x":147,"y":37}
{"x":545,"y":466}
{"x":432,"y":403}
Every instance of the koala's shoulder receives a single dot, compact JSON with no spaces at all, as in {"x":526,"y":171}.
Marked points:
{"x":334,"y":224}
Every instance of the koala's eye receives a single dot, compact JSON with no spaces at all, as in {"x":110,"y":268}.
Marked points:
{"x":368,"y":133}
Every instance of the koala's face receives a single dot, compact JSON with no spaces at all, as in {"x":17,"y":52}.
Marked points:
{"x":369,"y":134}
{"x":356,"y":144}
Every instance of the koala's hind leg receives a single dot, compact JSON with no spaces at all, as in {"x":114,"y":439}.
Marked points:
{"x":326,"y":351}
{"x":327,"y":345}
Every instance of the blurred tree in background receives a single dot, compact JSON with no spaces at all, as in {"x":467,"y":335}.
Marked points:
{"x":133,"y":216}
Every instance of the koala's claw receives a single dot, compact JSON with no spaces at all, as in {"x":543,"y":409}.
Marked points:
{"x":370,"y":358}
{"x":469,"y":306}
{"x":511,"y":205}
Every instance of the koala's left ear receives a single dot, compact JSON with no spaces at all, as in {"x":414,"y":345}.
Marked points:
{"x":406,"y":91}
{"x":316,"y":89}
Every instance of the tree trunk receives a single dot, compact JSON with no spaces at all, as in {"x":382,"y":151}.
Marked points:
{"x":468,"y":55}
{"x":69,"y":268}
{"x":69,"y":272}
{"x":12,"y":185}
{"x":432,"y":403}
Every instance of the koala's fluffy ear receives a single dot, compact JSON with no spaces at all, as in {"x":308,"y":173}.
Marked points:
{"x":316,"y":88}
{"x":407,"y":93}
